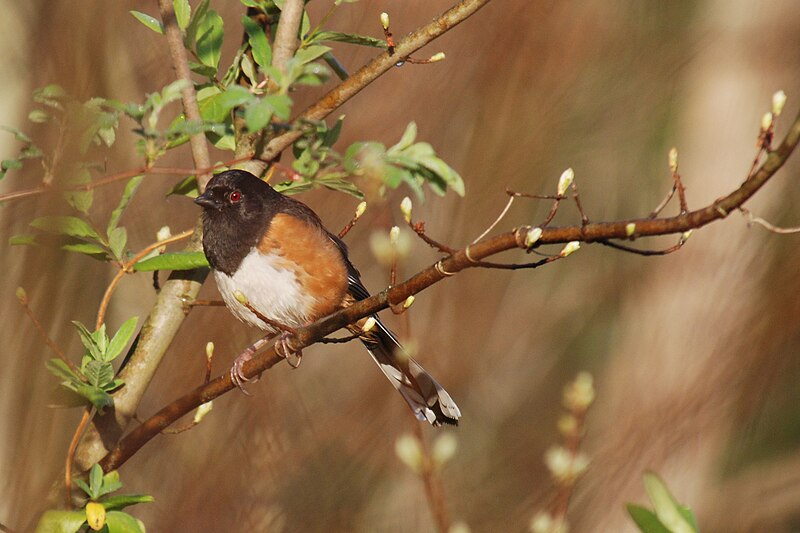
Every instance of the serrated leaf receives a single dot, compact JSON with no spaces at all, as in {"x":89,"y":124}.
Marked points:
{"x":66,"y":225}
{"x":183,"y":12}
{"x":99,"y":373}
{"x":117,"y":240}
{"x":22,"y":240}
{"x":351,"y":38}
{"x":96,"y":396}
{"x":61,"y":370}
{"x":645,"y":519}
{"x":121,"y":338}
{"x":119,"y":522}
{"x":262,"y":52}
{"x":209,"y":44}
{"x":60,"y":521}
{"x":127,"y":194}
{"x":121,"y":501}
{"x":88,"y":340}
{"x":172,"y":261}
{"x":186,"y":187}
{"x":217,"y":107}
{"x":311,"y":53}
{"x":151,"y":22}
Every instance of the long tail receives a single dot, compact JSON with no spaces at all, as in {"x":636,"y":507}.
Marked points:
{"x":424,"y":395}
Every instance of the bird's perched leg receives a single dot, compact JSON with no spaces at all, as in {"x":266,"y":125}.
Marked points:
{"x":284,"y":348}
{"x":237,"y":377}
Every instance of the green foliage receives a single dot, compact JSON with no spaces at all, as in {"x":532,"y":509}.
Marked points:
{"x":27,"y":151}
{"x":172,"y":261}
{"x":97,"y":489}
{"x":667,"y":516}
{"x":149,"y":21}
{"x":95,"y":379}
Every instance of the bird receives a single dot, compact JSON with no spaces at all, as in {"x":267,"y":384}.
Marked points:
{"x":277,"y":268}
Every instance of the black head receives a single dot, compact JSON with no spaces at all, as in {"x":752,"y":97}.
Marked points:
{"x":237,"y":209}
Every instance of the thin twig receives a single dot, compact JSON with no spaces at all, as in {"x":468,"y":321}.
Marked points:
{"x":188,"y":96}
{"x":432,"y":481}
{"x":23,"y":300}
{"x":419,"y":229}
{"x":637,"y":251}
{"x":752,"y":219}
{"x":497,"y":220}
{"x":664,"y":202}
{"x":127,"y":268}
{"x":339,"y":340}
{"x":577,"y":198}
{"x":88,"y":413}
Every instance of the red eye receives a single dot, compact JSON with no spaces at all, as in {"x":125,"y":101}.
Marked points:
{"x":235,"y":196}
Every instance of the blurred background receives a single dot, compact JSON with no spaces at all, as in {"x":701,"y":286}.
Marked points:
{"x":695,"y":355}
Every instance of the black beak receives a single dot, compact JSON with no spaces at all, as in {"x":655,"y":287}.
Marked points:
{"x":206,"y":200}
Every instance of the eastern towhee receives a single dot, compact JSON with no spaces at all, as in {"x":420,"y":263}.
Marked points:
{"x":275,"y":251}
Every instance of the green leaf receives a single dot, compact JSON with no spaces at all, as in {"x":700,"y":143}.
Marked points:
{"x":21,"y":240}
{"x":217,"y":107}
{"x":351,"y":38}
{"x":186,"y":187}
{"x":110,"y":483}
{"x":96,"y":396}
{"x":443,"y":170}
{"x":119,"y":522}
{"x":249,"y":70}
{"x":61,"y":370}
{"x":173,"y":261}
{"x":151,"y":22}
{"x":10,"y":164}
{"x":124,"y":500}
{"x":665,"y":505}
{"x":209,"y":44}
{"x":646,"y":520}
{"x":332,"y":135}
{"x":183,"y":12}
{"x":689,"y":516}
{"x":262,"y":52}
{"x":117,"y":240}
{"x":61,"y":521}
{"x":99,"y":373}
{"x":191,"y":30}
{"x":408,"y":138}
{"x":281,"y":105}
{"x":88,"y":340}
{"x":127,"y":194}
{"x":83,"y":486}
{"x":38,"y":116}
{"x":311,"y":53}
{"x":258,"y":115}
{"x":80,"y":200}
{"x":95,"y":480}
{"x":72,"y":226}
{"x":49,"y":95}
{"x":87,"y":248}
{"x":121,"y":338}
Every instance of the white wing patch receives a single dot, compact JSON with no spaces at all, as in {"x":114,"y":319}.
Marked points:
{"x":269,"y":287}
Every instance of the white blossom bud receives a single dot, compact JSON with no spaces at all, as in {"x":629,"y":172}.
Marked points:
{"x":360,"y":208}
{"x":439,"y":56}
{"x":565,"y":181}
{"x":533,"y":235}
{"x":202,"y":411}
{"x":405,"y":207}
{"x":240,"y":297}
{"x":568,"y":425}
{"x":408,"y":302}
{"x":394,"y":234}
{"x":766,"y":121}
{"x":409,"y":450}
{"x":368,"y":324}
{"x":686,"y":234}
{"x":385,"y":20}
{"x":444,"y":448}
{"x":673,"y":159}
{"x":543,"y":522}
{"x":570,"y":247}
{"x":209,"y":350}
{"x":630,"y":229}
{"x":778,"y":101}
{"x":579,"y":394}
{"x":163,"y":234}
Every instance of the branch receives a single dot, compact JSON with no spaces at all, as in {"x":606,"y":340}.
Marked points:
{"x":188,"y":96}
{"x":450,"y":265}
{"x":372,"y":70}
{"x":286,"y":34}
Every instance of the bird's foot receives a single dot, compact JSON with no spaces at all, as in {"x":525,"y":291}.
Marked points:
{"x":284,"y":348}
{"x":237,"y":370}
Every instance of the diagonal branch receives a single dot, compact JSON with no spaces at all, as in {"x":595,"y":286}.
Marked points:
{"x":457,"y":261}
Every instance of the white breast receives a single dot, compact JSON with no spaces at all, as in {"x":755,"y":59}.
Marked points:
{"x":270,"y":287}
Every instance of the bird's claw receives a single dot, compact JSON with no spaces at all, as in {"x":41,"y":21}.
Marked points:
{"x":284,"y":349}
{"x":237,"y":371}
